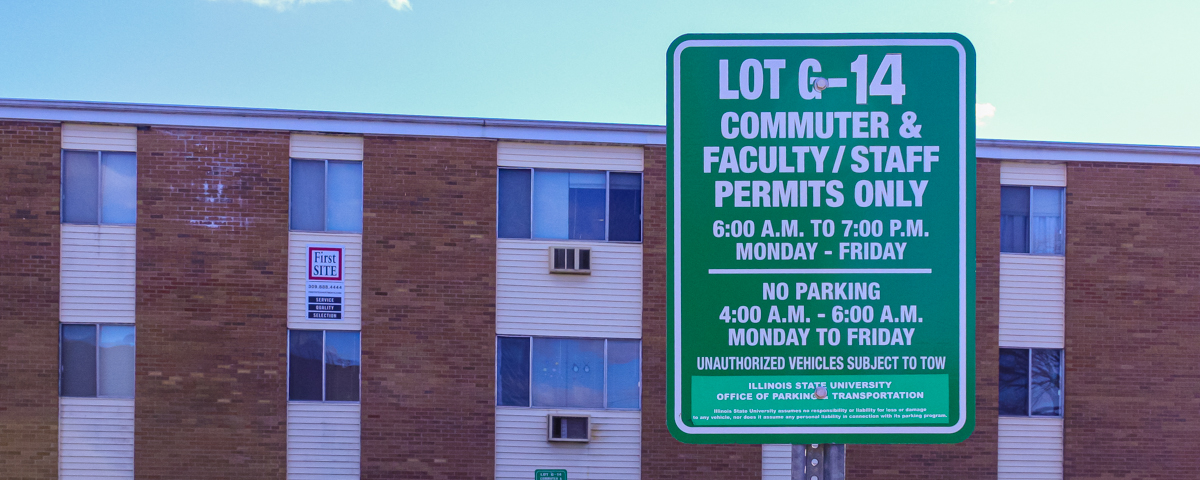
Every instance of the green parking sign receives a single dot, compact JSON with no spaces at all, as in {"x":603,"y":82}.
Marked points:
{"x":821,"y":238}
{"x":552,"y":474}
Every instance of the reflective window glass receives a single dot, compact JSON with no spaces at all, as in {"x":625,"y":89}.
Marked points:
{"x":625,"y":207}
{"x":514,"y":371}
{"x":1045,"y":383}
{"x":586,"y":205}
{"x":575,"y":205}
{"x":78,"y":357}
{"x":308,"y":195}
{"x":118,"y":184}
{"x":342,"y":365}
{"x":551,"y":202}
{"x":514,"y":199}
{"x":624,"y":374}
{"x":1014,"y":381}
{"x":1014,"y":219}
{"x":1046,"y":226}
{"x":345,"y":197}
{"x":568,"y":373}
{"x":117,"y":357}
{"x":80,"y":187}
{"x":304,"y":365}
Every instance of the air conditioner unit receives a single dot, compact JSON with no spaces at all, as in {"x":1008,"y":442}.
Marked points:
{"x":562,"y":428}
{"x":573,"y":260}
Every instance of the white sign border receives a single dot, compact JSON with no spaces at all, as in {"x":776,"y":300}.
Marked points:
{"x":341,"y":248}
{"x":676,"y":227}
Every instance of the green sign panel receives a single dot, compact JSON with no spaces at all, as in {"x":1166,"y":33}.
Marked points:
{"x":821,"y":245}
{"x":557,"y":474}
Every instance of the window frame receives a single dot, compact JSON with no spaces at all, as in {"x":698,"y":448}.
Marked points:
{"x":96,"y":349}
{"x":1029,"y":218}
{"x":529,"y":404}
{"x":62,"y":187}
{"x":1062,"y":387}
{"x":325,"y":198}
{"x":607,"y":204}
{"x":324,"y":380}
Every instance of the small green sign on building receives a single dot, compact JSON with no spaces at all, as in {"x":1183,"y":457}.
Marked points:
{"x":556,"y":474}
{"x":821,"y":238}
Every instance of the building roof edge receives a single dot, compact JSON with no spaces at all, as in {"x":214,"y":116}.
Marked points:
{"x":1030,"y":150}
{"x":329,"y":122}
{"x":507,"y":129}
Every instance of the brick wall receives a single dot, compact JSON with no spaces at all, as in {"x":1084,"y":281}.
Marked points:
{"x":662,"y":455}
{"x":1133,"y":321}
{"x":976,"y":457}
{"x":429,"y":317}
{"x":211,"y":313}
{"x":29,"y":249}
{"x":211,"y":304}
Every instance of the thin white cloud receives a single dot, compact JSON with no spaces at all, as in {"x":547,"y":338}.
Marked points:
{"x":283,"y":5}
{"x":984,"y":111}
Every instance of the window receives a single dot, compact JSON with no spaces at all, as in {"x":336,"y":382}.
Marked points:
{"x":1031,"y":382}
{"x":1031,"y":220}
{"x":99,"y":187}
{"x":96,"y":360}
{"x":575,"y":205}
{"x":323,"y":365}
{"x":569,"y":372}
{"x":326,"y":196}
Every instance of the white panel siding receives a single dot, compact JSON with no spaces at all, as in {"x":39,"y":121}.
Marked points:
{"x":97,"y":274}
{"x":1036,"y":174}
{"x":532,"y":301}
{"x":613,"y":453}
{"x":1032,"y":295}
{"x":323,"y":440}
{"x":580,"y":157}
{"x":297,"y":276}
{"x":326,"y":147}
{"x":1030,"y":448}
{"x":776,"y":462}
{"x":95,"y":437}
{"x":110,"y":138}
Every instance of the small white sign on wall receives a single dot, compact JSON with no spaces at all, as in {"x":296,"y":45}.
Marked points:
{"x":326,"y":287}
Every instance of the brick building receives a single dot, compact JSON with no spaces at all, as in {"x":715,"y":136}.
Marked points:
{"x":163,"y":319}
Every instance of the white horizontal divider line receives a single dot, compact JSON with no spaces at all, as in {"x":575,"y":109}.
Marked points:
{"x":764,"y":271}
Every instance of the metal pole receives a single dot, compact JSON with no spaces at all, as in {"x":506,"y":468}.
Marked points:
{"x":835,"y":461}
{"x":819,"y":462}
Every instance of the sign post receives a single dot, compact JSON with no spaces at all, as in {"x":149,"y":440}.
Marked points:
{"x":821,"y":238}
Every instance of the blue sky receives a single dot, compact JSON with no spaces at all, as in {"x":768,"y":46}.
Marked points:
{"x":1094,"y":71}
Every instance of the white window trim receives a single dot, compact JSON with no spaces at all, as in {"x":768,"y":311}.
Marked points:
{"x":62,"y":365}
{"x":605,"y":390}
{"x":288,"y":380}
{"x":1029,"y":215}
{"x":1062,"y":387}
{"x":607,"y":204}
{"x":62,"y":187}
{"x":325,"y":199}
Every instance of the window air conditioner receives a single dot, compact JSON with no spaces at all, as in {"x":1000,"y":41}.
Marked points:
{"x":568,"y":429}
{"x":572,"y":260}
